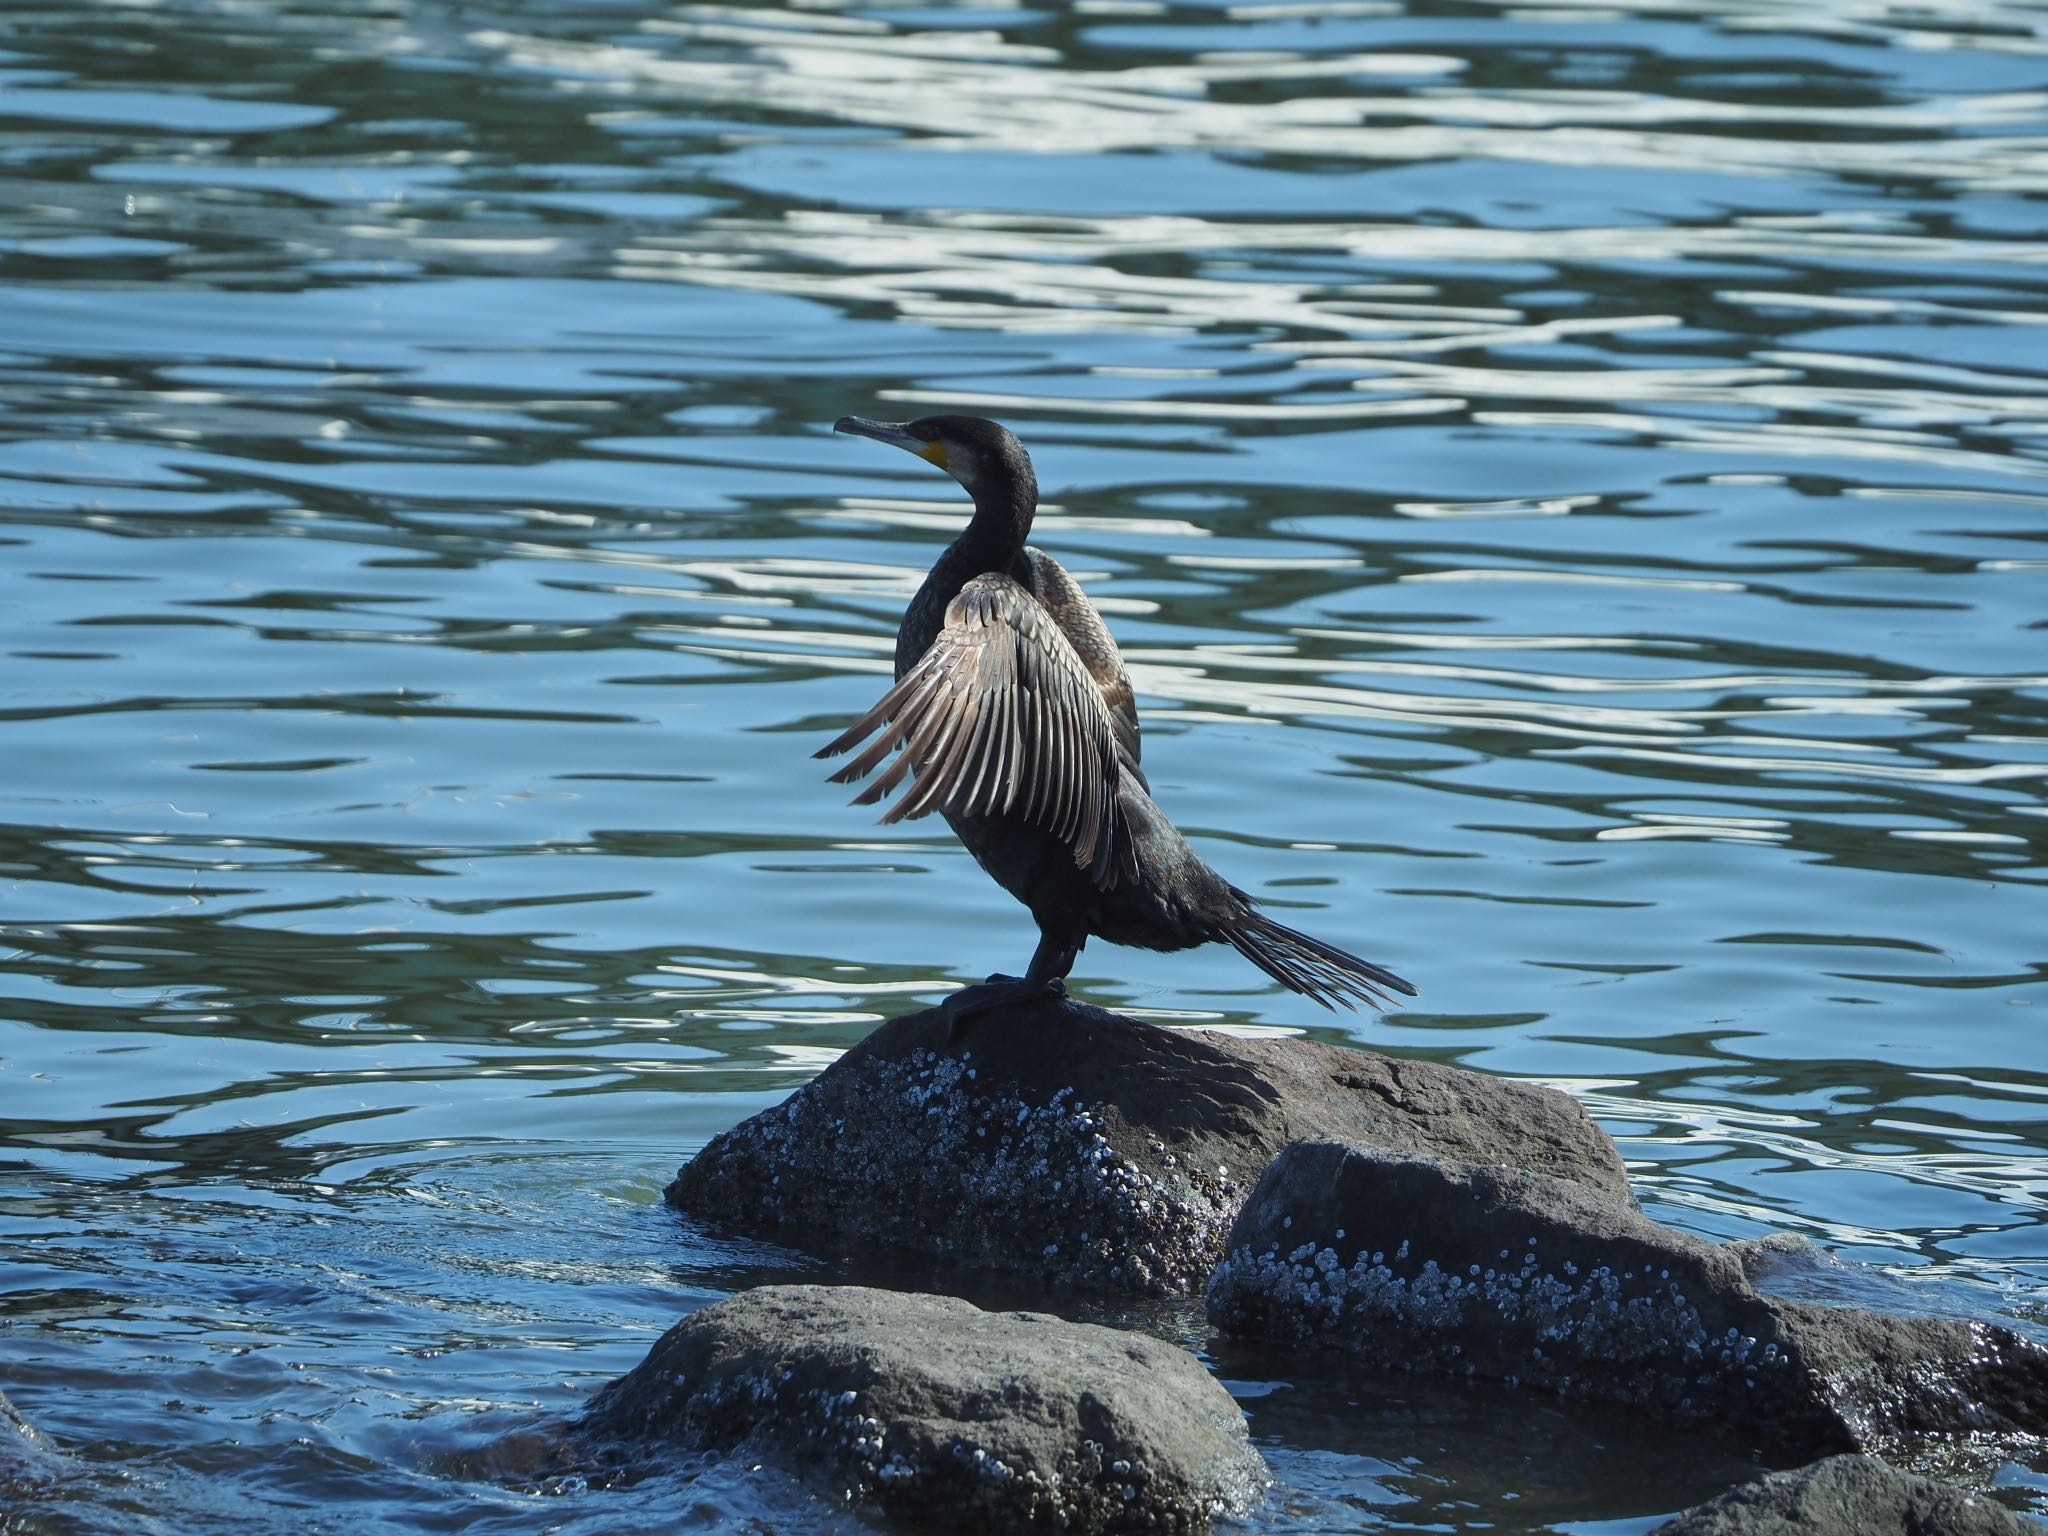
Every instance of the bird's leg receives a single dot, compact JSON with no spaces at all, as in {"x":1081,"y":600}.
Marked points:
{"x":1047,"y":977}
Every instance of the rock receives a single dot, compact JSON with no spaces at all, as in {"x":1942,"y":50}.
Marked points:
{"x":1848,"y":1496}
{"x":940,"y":1413}
{"x":19,"y":1439}
{"x":27,"y":1458}
{"x":1081,"y":1148}
{"x":1501,"y":1273}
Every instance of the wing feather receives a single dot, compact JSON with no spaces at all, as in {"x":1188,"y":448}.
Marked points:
{"x":1005,"y":755}
{"x":1000,"y":716}
{"x":978,"y":778}
{"x":1077,"y":619}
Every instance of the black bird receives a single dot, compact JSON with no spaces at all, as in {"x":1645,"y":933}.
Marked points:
{"x":1013,"y":718}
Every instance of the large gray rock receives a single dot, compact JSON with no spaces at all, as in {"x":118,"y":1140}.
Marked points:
{"x":940,"y":1413}
{"x":1849,"y":1496}
{"x":1500,"y":1273}
{"x":1077,"y":1147}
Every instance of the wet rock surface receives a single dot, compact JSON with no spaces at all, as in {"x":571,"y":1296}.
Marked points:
{"x":1505,"y":1274}
{"x":1849,"y":1496}
{"x":937,"y":1412}
{"x":1081,"y":1148}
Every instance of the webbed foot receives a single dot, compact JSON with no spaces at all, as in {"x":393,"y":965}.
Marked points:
{"x":997,"y":992}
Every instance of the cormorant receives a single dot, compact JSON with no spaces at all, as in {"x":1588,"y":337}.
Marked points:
{"x":1013,"y":718}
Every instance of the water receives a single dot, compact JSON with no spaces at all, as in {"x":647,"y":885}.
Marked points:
{"x":1572,"y":486}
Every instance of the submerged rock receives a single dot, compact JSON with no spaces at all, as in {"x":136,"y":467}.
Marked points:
{"x":1079,"y":1147}
{"x":1505,"y":1274}
{"x":1849,"y":1496}
{"x":938,"y":1412}
{"x":27,"y":1458}
{"x":19,"y":1439}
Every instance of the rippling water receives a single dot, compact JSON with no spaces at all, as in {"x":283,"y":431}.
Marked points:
{"x":1572,"y":485}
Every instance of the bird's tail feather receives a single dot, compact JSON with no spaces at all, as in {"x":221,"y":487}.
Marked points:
{"x":1332,"y":976}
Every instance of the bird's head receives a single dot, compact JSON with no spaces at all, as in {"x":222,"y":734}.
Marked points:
{"x":982,"y":455}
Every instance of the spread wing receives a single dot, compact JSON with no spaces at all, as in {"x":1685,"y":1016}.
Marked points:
{"x":1077,"y":619}
{"x":1000,"y":716}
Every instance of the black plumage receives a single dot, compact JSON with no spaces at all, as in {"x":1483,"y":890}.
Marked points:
{"x":1013,"y":718}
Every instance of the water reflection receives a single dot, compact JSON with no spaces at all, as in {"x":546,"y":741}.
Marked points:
{"x":1568,"y":484}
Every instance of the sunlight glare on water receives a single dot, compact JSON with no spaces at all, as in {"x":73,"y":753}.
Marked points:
{"x":1571,"y":484}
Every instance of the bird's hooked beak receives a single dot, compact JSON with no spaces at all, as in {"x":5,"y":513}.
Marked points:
{"x":893,"y":432}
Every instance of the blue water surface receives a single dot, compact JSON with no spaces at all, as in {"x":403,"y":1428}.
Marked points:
{"x":1571,"y":485}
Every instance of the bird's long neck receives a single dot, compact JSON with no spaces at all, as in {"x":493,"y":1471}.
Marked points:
{"x":999,"y":527}
{"x":991,"y":541}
